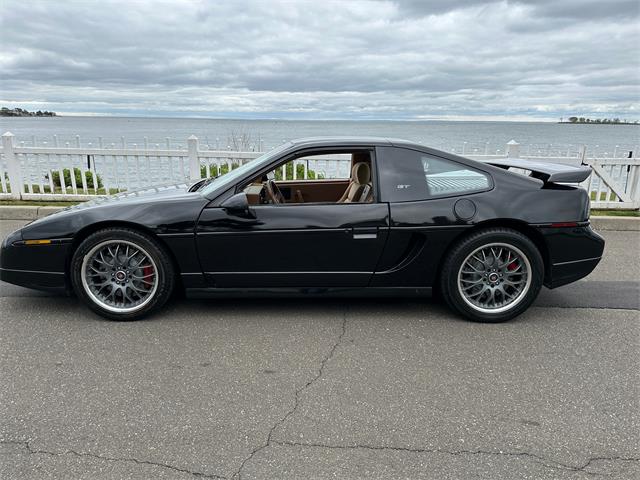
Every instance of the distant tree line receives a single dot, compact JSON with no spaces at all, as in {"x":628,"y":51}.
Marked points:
{"x":616,"y":121}
{"x":21,"y":112}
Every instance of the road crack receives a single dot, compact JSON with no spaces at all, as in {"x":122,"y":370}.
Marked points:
{"x":297,"y":400}
{"x":32,"y":451}
{"x":537,"y":458}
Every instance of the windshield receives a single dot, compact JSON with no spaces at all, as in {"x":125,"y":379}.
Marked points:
{"x":237,"y":173}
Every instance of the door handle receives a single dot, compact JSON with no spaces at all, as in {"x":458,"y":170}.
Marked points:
{"x":365,"y":233}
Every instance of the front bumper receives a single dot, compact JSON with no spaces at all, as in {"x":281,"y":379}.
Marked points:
{"x":51,"y":281}
{"x":573,"y":254}
{"x":41,"y":267}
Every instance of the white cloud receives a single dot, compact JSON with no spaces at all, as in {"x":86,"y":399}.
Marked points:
{"x":355,"y":59}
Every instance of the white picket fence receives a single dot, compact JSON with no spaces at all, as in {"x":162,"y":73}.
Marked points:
{"x":39,"y":171}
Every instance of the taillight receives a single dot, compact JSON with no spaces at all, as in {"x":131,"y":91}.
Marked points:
{"x":564,"y":224}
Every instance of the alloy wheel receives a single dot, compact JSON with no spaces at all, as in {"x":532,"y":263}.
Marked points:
{"x":494,"y":277}
{"x":119,"y":276}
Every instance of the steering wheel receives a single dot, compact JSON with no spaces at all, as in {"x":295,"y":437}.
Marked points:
{"x":273,"y":192}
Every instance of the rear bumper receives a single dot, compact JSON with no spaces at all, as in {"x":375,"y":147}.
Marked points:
{"x":573,"y":254}
{"x":564,"y":273}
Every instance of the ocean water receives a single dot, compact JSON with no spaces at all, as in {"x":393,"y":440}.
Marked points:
{"x":473,"y":137}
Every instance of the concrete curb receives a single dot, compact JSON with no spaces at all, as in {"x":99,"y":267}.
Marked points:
{"x":20,"y":212}
{"x":620,"y":224}
{"x":25,"y":212}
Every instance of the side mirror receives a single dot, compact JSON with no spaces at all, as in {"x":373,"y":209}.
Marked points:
{"x":238,"y":205}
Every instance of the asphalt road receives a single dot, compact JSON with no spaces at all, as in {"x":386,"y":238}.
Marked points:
{"x":326,"y":388}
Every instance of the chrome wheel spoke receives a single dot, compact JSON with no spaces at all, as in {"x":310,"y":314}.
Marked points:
{"x":479,"y":260}
{"x":479,"y":293}
{"x":141,"y":277}
{"x":126,"y":296}
{"x":98,"y":271}
{"x":492,"y":296}
{"x":138,"y":290}
{"x":474,"y":268}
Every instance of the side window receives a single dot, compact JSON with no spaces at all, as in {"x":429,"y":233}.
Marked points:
{"x":409,"y":175}
{"x":342,"y":176}
{"x":334,"y":166}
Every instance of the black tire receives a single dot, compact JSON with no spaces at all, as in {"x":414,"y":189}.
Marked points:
{"x":164,"y":272}
{"x":459,"y":253}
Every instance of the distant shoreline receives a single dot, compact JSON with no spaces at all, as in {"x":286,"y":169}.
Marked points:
{"x":601,"y":123}
{"x":20,"y":112}
{"x":597,"y":121}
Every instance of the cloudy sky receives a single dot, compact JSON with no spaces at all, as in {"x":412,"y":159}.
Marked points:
{"x":387,"y":59}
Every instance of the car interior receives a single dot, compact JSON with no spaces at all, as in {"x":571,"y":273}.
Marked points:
{"x":326,"y":177}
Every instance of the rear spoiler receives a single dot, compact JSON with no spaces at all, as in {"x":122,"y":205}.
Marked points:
{"x":547,"y":172}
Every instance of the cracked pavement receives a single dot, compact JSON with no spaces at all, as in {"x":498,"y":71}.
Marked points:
{"x":321,"y":388}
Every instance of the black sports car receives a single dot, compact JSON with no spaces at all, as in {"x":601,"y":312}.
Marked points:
{"x":408,"y":220}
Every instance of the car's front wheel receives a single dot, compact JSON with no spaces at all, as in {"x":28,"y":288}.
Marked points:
{"x":492,"y":275}
{"x":121,"y":274}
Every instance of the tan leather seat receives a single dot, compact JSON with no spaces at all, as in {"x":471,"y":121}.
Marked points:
{"x":359,"y":189}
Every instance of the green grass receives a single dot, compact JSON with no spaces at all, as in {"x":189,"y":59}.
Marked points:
{"x":615,"y":213}
{"x":603,"y":197}
{"x":36,"y":203}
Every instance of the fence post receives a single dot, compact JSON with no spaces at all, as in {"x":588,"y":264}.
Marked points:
{"x":194,"y":163}
{"x":513,"y":149}
{"x":13,"y":166}
{"x":634,"y":179}
{"x":582,"y":154}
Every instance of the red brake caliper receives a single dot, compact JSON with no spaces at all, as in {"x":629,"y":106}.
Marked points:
{"x":146,"y":273}
{"x":512,"y":266}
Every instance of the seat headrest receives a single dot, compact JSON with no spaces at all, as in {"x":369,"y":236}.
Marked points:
{"x":361,"y":173}
{"x":357,"y":157}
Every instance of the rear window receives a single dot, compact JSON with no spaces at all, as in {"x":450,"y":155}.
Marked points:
{"x":409,"y":175}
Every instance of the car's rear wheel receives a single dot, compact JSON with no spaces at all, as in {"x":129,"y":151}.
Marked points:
{"x":122,"y":274}
{"x":493,"y":275}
